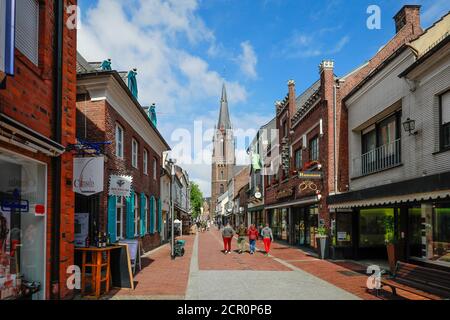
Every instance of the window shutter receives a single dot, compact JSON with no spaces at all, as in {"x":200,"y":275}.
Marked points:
{"x":130,"y":216}
{"x":112,"y":227}
{"x":159,"y":216}
{"x":143,"y":215}
{"x":152,"y":215}
{"x":27,"y":29}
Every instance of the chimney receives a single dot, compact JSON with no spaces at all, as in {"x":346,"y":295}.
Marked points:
{"x":292,"y":99}
{"x":408,"y":15}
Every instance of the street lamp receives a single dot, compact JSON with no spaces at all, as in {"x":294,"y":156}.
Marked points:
{"x":409,"y":126}
{"x":171,"y":163}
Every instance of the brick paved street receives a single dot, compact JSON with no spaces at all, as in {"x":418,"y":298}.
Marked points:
{"x":205,"y":272}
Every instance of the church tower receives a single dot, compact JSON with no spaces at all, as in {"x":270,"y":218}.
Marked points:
{"x":223,"y":157}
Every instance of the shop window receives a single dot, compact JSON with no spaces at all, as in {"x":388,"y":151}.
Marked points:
{"x":343,"y":229}
{"x":120,"y":212}
{"x":27,"y":29}
{"x":154,"y":169}
{"x":415,"y":231}
{"x":445,"y":120}
{"x":23,"y":197}
{"x":134,"y":153}
{"x":314,"y":149}
{"x":376,"y":226}
{"x":136,"y":215}
{"x":145,"y":162}
{"x":298,"y":159}
{"x":119,"y":141}
{"x":441,"y":234}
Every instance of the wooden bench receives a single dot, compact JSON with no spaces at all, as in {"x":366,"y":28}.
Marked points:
{"x":426,"y":282}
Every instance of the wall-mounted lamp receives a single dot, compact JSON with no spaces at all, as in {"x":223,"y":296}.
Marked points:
{"x":409,"y":126}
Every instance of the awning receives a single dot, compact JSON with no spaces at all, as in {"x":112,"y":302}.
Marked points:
{"x":304,"y":201}
{"x":417,"y":197}
{"x":14,"y":132}
{"x":258,"y":208}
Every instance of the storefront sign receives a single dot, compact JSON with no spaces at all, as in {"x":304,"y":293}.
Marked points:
{"x":285,"y":193}
{"x":310,"y":175}
{"x":15,"y":204}
{"x":88,"y":175}
{"x":120,"y":186}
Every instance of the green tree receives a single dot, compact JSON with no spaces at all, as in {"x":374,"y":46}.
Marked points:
{"x":196,"y":200}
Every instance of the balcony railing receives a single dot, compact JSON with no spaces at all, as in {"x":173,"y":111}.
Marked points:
{"x":379,"y":159}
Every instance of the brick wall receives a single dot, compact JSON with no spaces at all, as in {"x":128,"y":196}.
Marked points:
{"x":28,"y":98}
{"x":99,"y":119}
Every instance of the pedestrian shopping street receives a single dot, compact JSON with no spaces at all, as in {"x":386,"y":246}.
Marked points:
{"x":206,"y":273}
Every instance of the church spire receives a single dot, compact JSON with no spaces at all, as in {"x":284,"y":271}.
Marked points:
{"x":224,"y":116}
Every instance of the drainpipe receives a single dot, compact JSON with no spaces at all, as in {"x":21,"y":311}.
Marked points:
{"x":56,"y":161}
{"x":334,"y":139}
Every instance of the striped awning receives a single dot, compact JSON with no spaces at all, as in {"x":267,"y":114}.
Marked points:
{"x":417,"y":197}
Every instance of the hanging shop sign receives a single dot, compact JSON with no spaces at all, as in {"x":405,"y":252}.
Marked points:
{"x":88,"y":175}
{"x":308,"y":186}
{"x":120,"y":186}
{"x":285,"y":193}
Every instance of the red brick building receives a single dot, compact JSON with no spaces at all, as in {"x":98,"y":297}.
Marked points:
{"x":313,"y":143}
{"x":37,"y":122}
{"x":108,"y":112}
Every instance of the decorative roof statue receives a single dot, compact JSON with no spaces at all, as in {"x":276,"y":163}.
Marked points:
{"x":106,"y":65}
{"x":152,"y":114}
{"x":132,"y":82}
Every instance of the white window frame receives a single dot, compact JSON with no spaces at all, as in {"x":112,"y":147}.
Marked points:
{"x":136,"y":215}
{"x":154,"y":168}
{"x":119,"y":141}
{"x":145,"y":162}
{"x":134,"y":153}
{"x":120,"y":205}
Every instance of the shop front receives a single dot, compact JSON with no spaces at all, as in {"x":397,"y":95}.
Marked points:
{"x":305,"y":222}
{"x":23,"y":226}
{"x":417,"y":224}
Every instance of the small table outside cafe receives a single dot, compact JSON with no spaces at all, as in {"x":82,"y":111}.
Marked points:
{"x":100,"y":267}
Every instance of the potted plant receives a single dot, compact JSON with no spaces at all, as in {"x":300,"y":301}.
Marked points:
{"x":322,"y":242}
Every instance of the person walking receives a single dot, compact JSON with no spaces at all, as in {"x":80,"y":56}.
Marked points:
{"x":267,"y":235}
{"x":252,"y":237}
{"x":242,"y":233}
{"x":227,"y":234}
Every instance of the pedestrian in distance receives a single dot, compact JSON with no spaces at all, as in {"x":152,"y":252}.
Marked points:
{"x":260,"y":230}
{"x":252,"y":237}
{"x":227,"y":235}
{"x":242,"y":233}
{"x":267,"y":235}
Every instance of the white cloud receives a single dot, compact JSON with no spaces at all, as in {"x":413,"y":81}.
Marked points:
{"x":248,"y":60}
{"x":158,"y":37}
{"x":313,"y":44}
{"x":149,"y":38}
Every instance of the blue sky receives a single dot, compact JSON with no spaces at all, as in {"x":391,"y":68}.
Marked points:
{"x":185,"y":49}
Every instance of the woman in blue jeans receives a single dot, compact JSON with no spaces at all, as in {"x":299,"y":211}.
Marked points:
{"x":252,"y":236}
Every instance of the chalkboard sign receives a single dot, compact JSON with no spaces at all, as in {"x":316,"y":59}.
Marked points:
{"x":121,"y":274}
{"x":134,"y":247}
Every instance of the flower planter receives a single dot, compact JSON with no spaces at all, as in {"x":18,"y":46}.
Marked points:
{"x":323,"y":247}
{"x":392,"y":256}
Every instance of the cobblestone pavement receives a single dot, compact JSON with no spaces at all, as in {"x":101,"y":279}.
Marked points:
{"x":206,"y":273}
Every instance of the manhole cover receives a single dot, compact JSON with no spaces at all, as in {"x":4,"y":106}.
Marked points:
{"x":350,"y":273}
